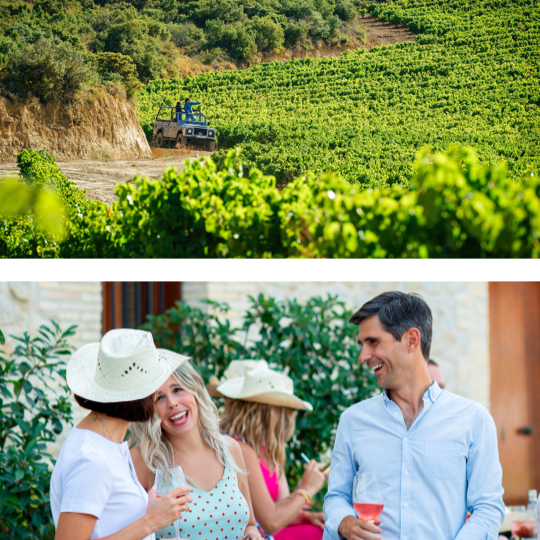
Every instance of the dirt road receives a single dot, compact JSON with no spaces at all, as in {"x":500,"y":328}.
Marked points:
{"x":99,"y":177}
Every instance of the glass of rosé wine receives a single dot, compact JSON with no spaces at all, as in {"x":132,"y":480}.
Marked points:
{"x":367,"y":497}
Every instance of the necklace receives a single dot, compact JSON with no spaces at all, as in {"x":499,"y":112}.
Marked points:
{"x":104,"y":427}
{"x":97,"y":417}
{"x":132,"y":472}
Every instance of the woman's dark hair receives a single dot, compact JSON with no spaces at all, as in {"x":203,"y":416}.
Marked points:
{"x":138,"y":410}
{"x":398,"y":312}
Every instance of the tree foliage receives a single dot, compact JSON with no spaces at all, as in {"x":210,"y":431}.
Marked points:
{"x":34,"y":407}
{"x":52,"y":71}
{"x":312,"y":341}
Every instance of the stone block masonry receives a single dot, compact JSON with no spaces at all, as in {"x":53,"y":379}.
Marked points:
{"x":460,"y":318}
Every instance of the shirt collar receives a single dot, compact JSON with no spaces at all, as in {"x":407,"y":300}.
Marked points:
{"x":432,"y":393}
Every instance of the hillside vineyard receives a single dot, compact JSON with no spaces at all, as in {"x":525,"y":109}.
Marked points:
{"x":471,"y":77}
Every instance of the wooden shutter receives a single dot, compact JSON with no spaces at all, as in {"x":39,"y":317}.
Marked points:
{"x":514,"y":312}
{"x":127,"y":303}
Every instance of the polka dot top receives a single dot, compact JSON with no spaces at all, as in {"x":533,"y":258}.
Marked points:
{"x":219,"y":514}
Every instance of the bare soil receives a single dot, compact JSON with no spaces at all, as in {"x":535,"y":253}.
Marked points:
{"x":99,"y":176}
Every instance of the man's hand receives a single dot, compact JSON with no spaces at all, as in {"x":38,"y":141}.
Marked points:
{"x":359,"y":529}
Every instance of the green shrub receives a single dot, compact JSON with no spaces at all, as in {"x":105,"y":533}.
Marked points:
{"x":187,"y":36}
{"x":116,"y":65}
{"x":234,"y":38}
{"x":454,"y":207}
{"x":311,"y":340}
{"x":51,"y":71}
{"x":34,"y":408}
{"x":268,"y":33}
{"x":25,"y":234}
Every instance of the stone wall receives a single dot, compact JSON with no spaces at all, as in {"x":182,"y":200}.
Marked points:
{"x":27,"y":305}
{"x":24,"y":306}
{"x":460,"y":315}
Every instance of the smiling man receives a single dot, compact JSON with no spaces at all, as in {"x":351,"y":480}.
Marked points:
{"x":434,"y":453}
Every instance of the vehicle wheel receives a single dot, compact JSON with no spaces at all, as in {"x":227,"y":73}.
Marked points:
{"x":181,"y":140}
{"x":211,"y":146}
{"x":160,"y":140}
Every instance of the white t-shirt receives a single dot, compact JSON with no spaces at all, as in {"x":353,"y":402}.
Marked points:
{"x":92,"y":477}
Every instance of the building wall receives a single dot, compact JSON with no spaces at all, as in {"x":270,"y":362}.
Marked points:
{"x":460,"y":318}
{"x":25,"y":306}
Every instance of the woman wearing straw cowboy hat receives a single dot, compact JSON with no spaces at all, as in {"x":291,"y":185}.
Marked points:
{"x":94,"y":491}
{"x":184,"y":431}
{"x":260,"y":412}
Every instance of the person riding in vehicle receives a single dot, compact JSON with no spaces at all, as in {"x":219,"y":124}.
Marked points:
{"x":179,"y":111}
{"x":188,"y":109}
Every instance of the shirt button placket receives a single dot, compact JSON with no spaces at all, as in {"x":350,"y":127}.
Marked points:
{"x":406,"y":467}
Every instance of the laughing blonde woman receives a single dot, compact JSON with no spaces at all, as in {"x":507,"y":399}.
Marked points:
{"x":94,"y":491}
{"x":260,"y":412}
{"x":184,"y":430}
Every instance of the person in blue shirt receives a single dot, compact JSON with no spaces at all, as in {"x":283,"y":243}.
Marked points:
{"x":434,"y":454}
{"x":189,"y":111}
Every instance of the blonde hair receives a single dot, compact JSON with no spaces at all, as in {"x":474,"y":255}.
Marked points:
{"x":156,"y":449}
{"x":266,"y":428}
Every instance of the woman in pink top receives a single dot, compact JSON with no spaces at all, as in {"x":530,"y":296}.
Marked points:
{"x":260,"y":412}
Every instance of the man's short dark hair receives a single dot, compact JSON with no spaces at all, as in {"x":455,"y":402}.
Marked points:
{"x":398,"y":312}
{"x":432,"y":363}
{"x":138,"y":410}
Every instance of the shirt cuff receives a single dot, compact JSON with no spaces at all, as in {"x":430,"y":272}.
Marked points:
{"x":333,"y":521}
{"x":472,"y":531}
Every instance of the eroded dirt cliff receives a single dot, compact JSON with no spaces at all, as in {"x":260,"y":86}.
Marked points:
{"x":98,"y":126}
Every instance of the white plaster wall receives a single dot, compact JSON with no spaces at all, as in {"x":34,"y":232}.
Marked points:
{"x":460,"y":318}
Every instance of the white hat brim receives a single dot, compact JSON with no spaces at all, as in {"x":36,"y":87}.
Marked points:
{"x":82,"y":368}
{"x":212,"y":385}
{"x":233,"y":390}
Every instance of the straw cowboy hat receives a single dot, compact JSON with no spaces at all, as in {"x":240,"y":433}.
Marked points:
{"x":264,"y":386}
{"x":125,"y":365}
{"x":237,"y":368}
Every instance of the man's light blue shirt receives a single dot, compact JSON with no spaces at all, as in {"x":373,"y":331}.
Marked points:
{"x":446,"y":464}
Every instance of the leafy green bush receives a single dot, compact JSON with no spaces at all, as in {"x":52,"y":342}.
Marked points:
{"x":311,"y":340}
{"x":233,"y":37}
{"x":25,"y":231}
{"x":111,"y":65}
{"x":34,"y":406}
{"x":268,"y":33}
{"x":51,"y":71}
{"x":454,"y":207}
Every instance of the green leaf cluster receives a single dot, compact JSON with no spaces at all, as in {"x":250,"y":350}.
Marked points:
{"x":455,"y":207}
{"x":34,"y":408}
{"x":40,"y":211}
{"x":311,"y":341}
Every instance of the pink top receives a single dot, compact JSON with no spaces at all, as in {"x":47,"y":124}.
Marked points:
{"x":272,"y":481}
